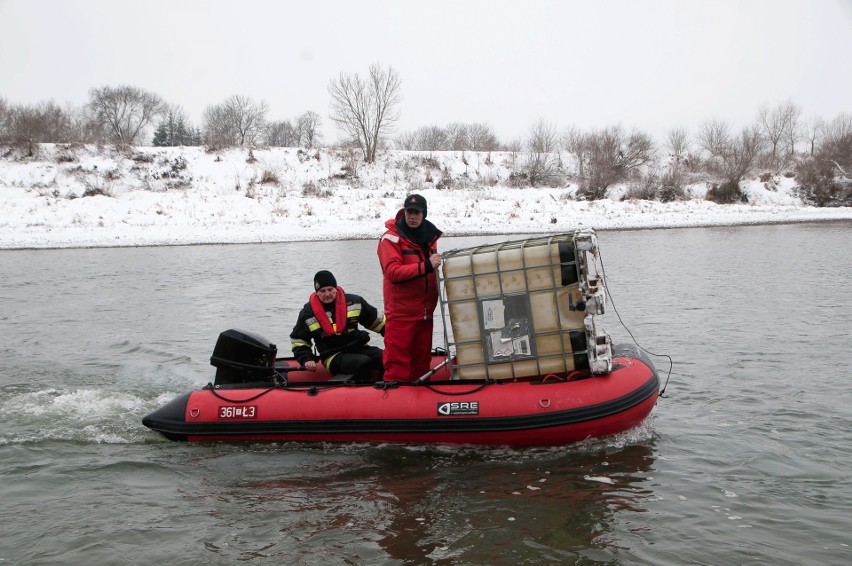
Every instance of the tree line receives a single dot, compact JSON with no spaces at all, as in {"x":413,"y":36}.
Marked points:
{"x":366,"y":110}
{"x":123,"y":115}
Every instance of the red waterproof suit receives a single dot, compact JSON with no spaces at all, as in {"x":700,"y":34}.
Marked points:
{"x":410,"y":296}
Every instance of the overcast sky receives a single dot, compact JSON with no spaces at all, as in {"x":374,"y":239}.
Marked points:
{"x":653,"y":65}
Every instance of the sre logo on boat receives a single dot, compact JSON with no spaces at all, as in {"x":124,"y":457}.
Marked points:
{"x":448,"y":409}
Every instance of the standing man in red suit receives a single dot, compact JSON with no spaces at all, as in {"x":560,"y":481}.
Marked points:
{"x":408,"y":253}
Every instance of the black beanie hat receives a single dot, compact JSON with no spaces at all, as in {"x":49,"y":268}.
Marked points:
{"x":415,"y":201}
{"x":324,"y":279}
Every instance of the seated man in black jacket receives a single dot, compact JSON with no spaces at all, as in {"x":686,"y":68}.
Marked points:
{"x":330,"y":320}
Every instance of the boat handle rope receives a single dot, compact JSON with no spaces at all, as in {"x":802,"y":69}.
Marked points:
{"x":223,"y":398}
{"x":312,"y":390}
{"x":457,"y":393}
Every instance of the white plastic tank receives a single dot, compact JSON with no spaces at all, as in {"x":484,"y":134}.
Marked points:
{"x":517,"y":309}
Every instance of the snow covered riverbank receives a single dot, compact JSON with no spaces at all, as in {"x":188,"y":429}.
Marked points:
{"x":83,"y":197}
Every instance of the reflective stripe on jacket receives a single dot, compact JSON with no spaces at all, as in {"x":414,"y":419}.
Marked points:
{"x":308,"y":330}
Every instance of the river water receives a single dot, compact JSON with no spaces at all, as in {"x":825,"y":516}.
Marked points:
{"x":745,"y":461}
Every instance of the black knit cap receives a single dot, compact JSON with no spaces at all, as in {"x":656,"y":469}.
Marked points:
{"x":416,"y":202}
{"x":324,"y":279}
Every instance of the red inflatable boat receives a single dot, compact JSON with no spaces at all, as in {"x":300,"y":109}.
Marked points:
{"x":530,"y":367}
{"x":541,"y":411}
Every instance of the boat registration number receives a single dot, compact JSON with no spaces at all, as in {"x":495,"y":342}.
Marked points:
{"x":241,"y":412}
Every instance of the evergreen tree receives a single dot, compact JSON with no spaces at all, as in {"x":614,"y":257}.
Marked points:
{"x":161,"y":136}
{"x":176,"y":130}
{"x":179,"y":131}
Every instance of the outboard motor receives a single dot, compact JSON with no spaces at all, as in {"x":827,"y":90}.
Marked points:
{"x":243,"y":357}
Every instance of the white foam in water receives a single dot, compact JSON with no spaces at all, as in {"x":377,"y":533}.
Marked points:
{"x":94,"y":433}
{"x":85,"y":414}
{"x":53,"y":402}
{"x":164,"y":398}
{"x":86,"y":404}
{"x":36,"y":403}
{"x":601,"y":479}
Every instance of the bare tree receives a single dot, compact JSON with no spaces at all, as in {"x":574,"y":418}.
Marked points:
{"x":30,"y":125}
{"x":26,"y":127}
{"x":237,"y":121}
{"x":307,"y":126}
{"x":514,"y":147}
{"x":124,"y":111}
{"x":677,"y":141}
{"x":366,"y":110}
{"x":5,"y":119}
{"x":542,"y":164}
{"x":672,"y":180}
{"x":637,"y":150}
{"x":793,"y":133}
{"x":736,"y":159}
{"x":576,"y":143}
{"x":281,"y":134}
{"x":219,"y":129}
{"x":431,"y":138}
{"x":56,"y":122}
{"x":457,"y":136}
{"x":777,"y":126}
{"x":84,"y":128}
{"x":714,"y":137}
{"x":608,"y":157}
{"x":543,"y":138}
{"x":772,"y":124}
{"x":43,"y":123}
{"x":836,"y":144}
{"x":741,"y":154}
{"x":406,"y":141}
{"x":826,"y":176}
{"x":812,"y":133}
{"x":482,"y":138}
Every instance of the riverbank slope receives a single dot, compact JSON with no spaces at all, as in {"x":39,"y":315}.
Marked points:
{"x":84,"y":196}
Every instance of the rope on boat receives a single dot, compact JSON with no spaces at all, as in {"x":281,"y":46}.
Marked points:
{"x":311,"y":389}
{"x":223,"y":398}
{"x":457,"y":393}
{"x":618,"y":314}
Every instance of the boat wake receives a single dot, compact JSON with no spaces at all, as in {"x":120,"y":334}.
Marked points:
{"x":80,"y":415}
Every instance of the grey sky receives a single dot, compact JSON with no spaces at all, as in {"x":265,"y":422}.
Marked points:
{"x":653,"y":65}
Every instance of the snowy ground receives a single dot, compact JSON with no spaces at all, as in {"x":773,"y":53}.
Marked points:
{"x":82,"y":196}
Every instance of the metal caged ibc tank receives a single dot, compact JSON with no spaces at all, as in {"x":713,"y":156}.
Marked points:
{"x":525,"y":308}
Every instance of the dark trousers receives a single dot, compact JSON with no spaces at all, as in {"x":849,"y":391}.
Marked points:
{"x":365,"y":365}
